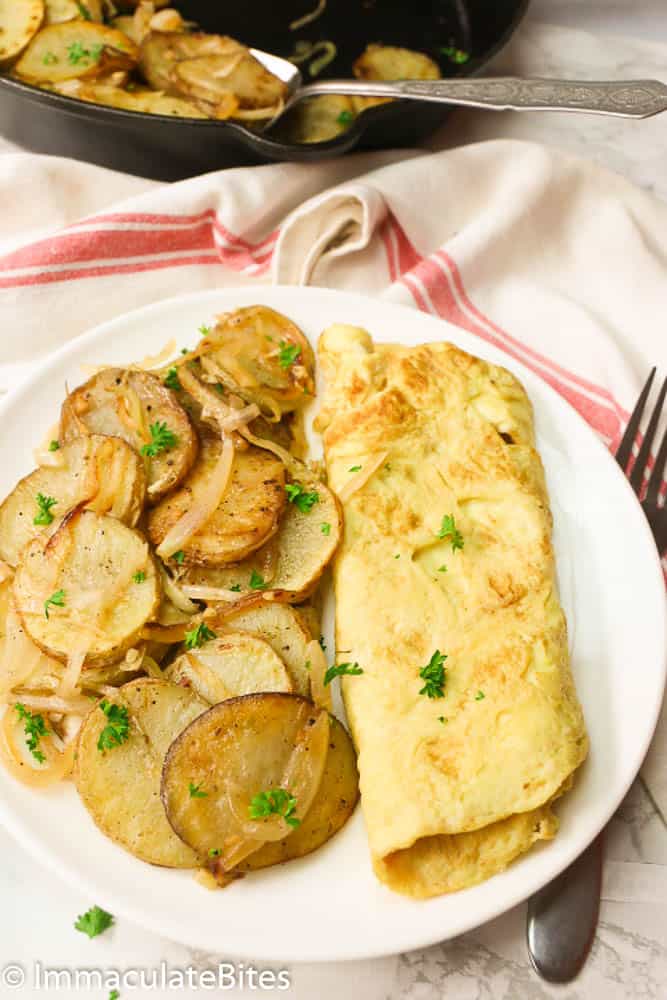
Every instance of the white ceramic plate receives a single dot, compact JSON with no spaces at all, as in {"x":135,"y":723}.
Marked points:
{"x":329,"y":906}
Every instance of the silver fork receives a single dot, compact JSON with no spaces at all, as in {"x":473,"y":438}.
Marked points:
{"x":562,"y":917}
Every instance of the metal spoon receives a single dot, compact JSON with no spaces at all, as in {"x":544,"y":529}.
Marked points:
{"x":622,"y":98}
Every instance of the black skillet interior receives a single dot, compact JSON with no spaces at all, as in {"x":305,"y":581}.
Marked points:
{"x":168,"y":149}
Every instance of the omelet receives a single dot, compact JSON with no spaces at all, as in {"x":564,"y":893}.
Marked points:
{"x":465,"y":717}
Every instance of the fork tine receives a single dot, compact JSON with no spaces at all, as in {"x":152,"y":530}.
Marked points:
{"x":641,"y":463}
{"x":655,"y":482}
{"x":625,"y":447}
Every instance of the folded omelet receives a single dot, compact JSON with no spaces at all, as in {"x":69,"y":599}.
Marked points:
{"x":466,"y":718}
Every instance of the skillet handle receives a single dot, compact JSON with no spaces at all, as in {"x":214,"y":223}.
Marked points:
{"x":623,"y":98}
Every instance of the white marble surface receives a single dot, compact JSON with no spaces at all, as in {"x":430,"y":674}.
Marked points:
{"x":629,"y":957}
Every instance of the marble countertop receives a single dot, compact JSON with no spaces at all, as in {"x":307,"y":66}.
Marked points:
{"x":629,"y":957}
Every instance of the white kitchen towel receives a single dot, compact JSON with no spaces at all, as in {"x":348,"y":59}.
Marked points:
{"x":556,"y":261}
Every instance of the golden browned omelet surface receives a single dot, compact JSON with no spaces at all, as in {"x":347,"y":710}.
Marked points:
{"x":453,"y":787}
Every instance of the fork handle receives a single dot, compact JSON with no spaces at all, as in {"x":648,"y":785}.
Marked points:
{"x":623,"y":98}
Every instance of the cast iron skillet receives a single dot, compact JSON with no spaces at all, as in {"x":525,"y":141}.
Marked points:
{"x":172,"y":148}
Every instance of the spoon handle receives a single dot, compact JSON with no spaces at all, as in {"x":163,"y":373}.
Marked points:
{"x":623,"y":98}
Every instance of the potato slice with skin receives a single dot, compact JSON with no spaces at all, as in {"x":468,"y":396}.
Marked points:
{"x":120,"y":787}
{"x":89,"y":563}
{"x":75,"y":49}
{"x":124,"y":403}
{"x":104,"y":472}
{"x":303,"y":551}
{"x":390,"y":62}
{"x":240,"y":747}
{"x":141,"y":101}
{"x":235,"y":663}
{"x":333,"y":805}
{"x":59,"y":11}
{"x":278,"y":624}
{"x":319,"y":119}
{"x":20,"y":20}
{"x":247,"y":517}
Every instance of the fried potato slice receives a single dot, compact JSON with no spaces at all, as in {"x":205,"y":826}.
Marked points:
{"x":281,"y":626}
{"x":235,"y":663}
{"x":125,"y":403}
{"x":76,"y":589}
{"x":59,"y":11}
{"x":318,"y":119}
{"x":143,"y":101}
{"x":102,"y":472}
{"x":333,"y":805}
{"x":293,"y":560}
{"x":120,"y":786}
{"x":390,"y":62}
{"x":75,"y":49}
{"x":247,"y":517}
{"x":238,"y":749}
{"x":20,"y":20}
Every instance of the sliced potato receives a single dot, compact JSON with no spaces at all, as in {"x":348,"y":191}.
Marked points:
{"x":120,"y":786}
{"x":75,"y":589}
{"x":75,"y":49}
{"x":238,"y":749}
{"x":247,"y":517}
{"x":235,"y":663}
{"x":293,"y":561}
{"x":389,"y":62}
{"x":59,"y":11}
{"x":333,"y":805}
{"x":102,"y":472}
{"x":20,"y":20}
{"x":318,"y":119}
{"x":143,"y":101}
{"x":125,"y":403}
{"x":127,"y":24}
{"x":278,"y":624}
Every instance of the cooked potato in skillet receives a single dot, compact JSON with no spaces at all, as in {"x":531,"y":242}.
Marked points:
{"x":144,"y":100}
{"x":318,"y":119}
{"x":20,"y":20}
{"x":388,"y":62}
{"x":121,"y":751}
{"x":137,"y":407}
{"x":247,"y":517}
{"x":58,"y":11}
{"x":102,"y":472}
{"x":232,"y":664}
{"x":75,"y":49}
{"x":76,"y":589}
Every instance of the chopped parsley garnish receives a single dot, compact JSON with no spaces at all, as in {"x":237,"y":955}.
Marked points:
{"x":44,"y":505}
{"x":257,"y":581}
{"x":83,"y":10}
{"x":54,"y":445}
{"x":442,"y":569}
{"x":172,"y":380}
{"x":354,"y":468}
{"x":178,"y":557}
{"x":397,"y":556}
{"x":323,"y":645}
{"x":114,"y":995}
{"x":118,"y":729}
{"x":162,"y":439}
{"x":341,"y":670}
{"x":35,"y":728}
{"x":56,"y":600}
{"x":458,"y":56}
{"x":480,"y":696}
{"x":139,"y":577}
{"x":204,"y":330}
{"x":442,"y":719}
{"x":325,"y":528}
{"x":196,"y":792}
{"x":236,"y":588}
{"x":196,"y":637}
{"x":275,"y":802}
{"x":345,"y":118}
{"x":434,"y":676}
{"x":288,"y":354}
{"x":49,"y":58}
{"x":449,"y":530}
{"x":215,"y":852}
{"x":307,"y":665}
{"x":302,"y":500}
{"x":94,"y":922}
{"x":77,"y":52}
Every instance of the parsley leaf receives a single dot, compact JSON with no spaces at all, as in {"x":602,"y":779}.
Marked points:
{"x":442,"y":569}
{"x":171,"y":379}
{"x":204,"y":330}
{"x":323,"y":645}
{"x":442,"y":719}
{"x":236,"y":588}
{"x":54,"y":445}
{"x":340,"y":670}
{"x":49,"y":58}
{"x":449,"y":530}
{"x":196,"y":792}
{"x":114,"y":995}
{"x":118,"y":730}
{"x":345,"y":118}
{"x":77,"y":52}
{"x":257,"y":581}
{"x":178,"y":557}
{"x":196,"y":637}
{"x":325,"y":528}
{"x":95,"y":921}
{"x":44,"y":505}
{"x":139,"y":577}
{"x":480,"y":696}
{"x":458,"y":56}
{"x":288,"y":354}
{"x":434,"y":675}
{"x":275,"y":802}
{"x":302,"y":500}
{"x":35,"y":728}
{"x":354,"y":468}
{"x":162,"y":439}
{"x":215,"y":852}
{"x":56,"y":600}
